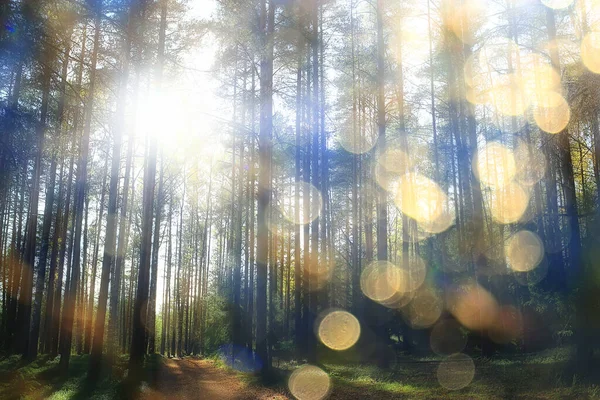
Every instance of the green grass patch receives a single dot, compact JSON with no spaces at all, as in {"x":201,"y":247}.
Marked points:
{"x":536,"y":376}
{"x":41,"y":379}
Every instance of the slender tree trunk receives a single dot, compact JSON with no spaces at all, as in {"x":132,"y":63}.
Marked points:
{"x":110,"y":239}
{"x":138,"y":335}
{"x":267,"y":20}
{"x":81,"y":182}
{"x":24,"y":316}
{"x":155,"y":251}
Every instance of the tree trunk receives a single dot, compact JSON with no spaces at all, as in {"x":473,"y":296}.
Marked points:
{"x":267,"y":20}
{"x":80,"y":186}
{"x":24,"y":316}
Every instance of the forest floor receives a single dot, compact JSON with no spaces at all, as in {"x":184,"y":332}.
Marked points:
{"x":534,"y":376}
{"x":164,"y":378}
{"x":191,"y":378}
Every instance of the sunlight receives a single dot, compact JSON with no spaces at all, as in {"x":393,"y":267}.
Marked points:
{"x":557,"y":4}
{"x":385,"y":189}
{"x":160,"y":115}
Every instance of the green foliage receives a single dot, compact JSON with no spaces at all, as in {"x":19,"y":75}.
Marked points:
{"x":217,"y":326}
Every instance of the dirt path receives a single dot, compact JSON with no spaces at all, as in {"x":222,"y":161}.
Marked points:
{"x":201,"y":379}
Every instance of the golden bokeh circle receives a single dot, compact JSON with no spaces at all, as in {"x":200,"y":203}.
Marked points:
{"x":456,"y":371}
{"x":299,"y":192}
{"x":509,"y":203}
{"x":551,"y":112}
{"x":590,"y":51}
{"x":309,"y":383}
{"x":509,"y":96}
{"x":339,"y":330}
{"x":424,"y":309}
{"x":524,"y":251}
{"x":473,"y":306}
{"x":419,"y":197}
{"x":382,"y":280}
{"x":494,"y":165}
{"x":358,"y":143}
{"x":531,"y":164}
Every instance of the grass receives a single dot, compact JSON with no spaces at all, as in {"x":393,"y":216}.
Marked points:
{"x":539,"y":376}
{"x":535,"y":376}
{"x":41,"y":379}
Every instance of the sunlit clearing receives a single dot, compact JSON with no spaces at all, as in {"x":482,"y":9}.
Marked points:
{"x":357,"y":143}
{"x":447,"y":338}
{"x":508,"y":325}
{"x":424,"y":309}
{"x":292,"y":205}
{"x":524,"y":251}
{"x":420,"y":198}
{"x":590,"y":51}
{"x":339,"y":330}
{"x":551,"y":112}
{"x":381,"y":280}
{"x":494,"y":165}
{"x":456,"y":371}
{"x":531,"y":164}
{"x":509,"y":203}
{"x":309,"y":383}
{"x":472,"y":305}
{"x":557,"y":4}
